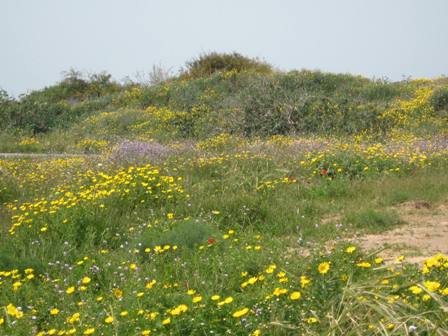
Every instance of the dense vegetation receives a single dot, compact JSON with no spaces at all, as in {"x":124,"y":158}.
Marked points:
{"x":223,"y":201}
{"x":217,"y":94}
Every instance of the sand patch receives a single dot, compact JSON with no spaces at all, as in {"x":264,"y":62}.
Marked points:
{"x":425,"y":234}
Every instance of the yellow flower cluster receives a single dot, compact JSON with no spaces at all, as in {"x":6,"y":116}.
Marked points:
{"x":411,"y":112}
{"x":92,"y":145}
{"x":137,"y":183}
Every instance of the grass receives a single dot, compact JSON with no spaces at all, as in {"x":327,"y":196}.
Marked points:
{"x":373,"y":220}
{"x":141,"y":258}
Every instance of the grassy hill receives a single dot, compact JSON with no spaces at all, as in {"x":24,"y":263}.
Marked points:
{"x":217,"y":94}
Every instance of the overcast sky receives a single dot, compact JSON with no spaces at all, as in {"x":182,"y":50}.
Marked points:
{"x":381,"y":38}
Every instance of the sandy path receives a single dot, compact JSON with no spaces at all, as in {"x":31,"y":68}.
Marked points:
{"x":424,"y":235}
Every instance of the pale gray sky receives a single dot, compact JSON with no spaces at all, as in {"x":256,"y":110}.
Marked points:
{"x":392,"y":38}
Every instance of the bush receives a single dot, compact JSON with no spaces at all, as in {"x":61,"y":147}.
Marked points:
{"x":189,"y":233}
{"x":52,"y":107}
{"x":207,"y":64}
{"x":305,"y":102}
{"x":439,"y":99}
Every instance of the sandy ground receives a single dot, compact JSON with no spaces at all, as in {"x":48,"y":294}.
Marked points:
{"x":424,"y":234}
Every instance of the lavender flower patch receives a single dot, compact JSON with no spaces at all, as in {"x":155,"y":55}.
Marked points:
{"x":137,"y":152}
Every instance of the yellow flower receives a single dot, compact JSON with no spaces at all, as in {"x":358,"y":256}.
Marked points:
{"x":146,"y":332}
{"x":364,"y":264}
{"x":124,"y":313}
{"x":432,"y":286}
{"x":197,"y":299}
{"x":16,"y":285}
{"x":426,"y":297}
{"x":415,"y":290}
{"x":150,"y":284}
{"x":425,"y":269}
{"x":13,"y":311}
{"x":179,"y":309}
{"x":312,"y":320}
{"x":350,"y":249}
{"x":109,"y":319}
{"x":118,"y":293}
{"x":304,"y":281}
{"x":256,"y":333}
{"x":86,"y":280}
{"x":166,"y":321}
{"x":74,"y":318}
{"x":152,"y":316}
{"x":379,"y":260}
{"x":215,"y":297}
{"x":324,"y":267}
{"x":281,"y":274}
{"x":2,"y":320}
{"x":227,"y":300}
{"x":54,"y":311}
{"x":279,"y":291}
{"x":70,"y":290}
{"x":295,"y":295}
{"x":89,"y":331}
{"x":240,"y":313}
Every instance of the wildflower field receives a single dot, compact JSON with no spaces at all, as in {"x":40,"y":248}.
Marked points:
{"x":204,"y":206}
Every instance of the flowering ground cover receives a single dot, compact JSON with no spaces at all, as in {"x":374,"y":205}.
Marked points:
{"x":207,"y":242}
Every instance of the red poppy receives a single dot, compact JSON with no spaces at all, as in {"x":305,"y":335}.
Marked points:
{"x":211,"y":240}
{"x":324,"y":172}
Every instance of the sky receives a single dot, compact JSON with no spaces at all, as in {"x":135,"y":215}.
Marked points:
{"x":392,"y":39}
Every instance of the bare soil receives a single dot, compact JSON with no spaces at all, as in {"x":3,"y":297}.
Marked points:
{"x":425,"y":234}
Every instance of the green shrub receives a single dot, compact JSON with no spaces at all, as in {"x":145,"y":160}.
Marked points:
{"x":52,"y":107}
{"x":189,"y":233}
{"x":305,"y":102}
{"x":207,"y":64}
{"x":439,"y":100}
{"x":382,"y":90}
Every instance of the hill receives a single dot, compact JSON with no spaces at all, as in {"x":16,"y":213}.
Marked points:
{"x":217,"y":94}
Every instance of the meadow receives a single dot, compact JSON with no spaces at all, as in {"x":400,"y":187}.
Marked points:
{"x":226,"y":200}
